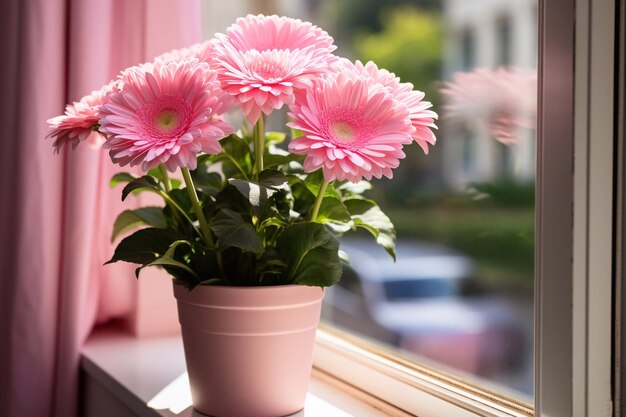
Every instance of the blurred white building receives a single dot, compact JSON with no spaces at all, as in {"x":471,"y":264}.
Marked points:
{"x":487,"y":34}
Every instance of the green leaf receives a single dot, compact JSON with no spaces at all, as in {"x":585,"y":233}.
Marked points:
{"x":272,"y":178}
{"x":332,"y":209}
{"x":156,"y":173}
{"x":311,"y":253}
{"x":209,"y":183}
{"x":272,"y":221}
{"x":167,"y":259}
{"x":344,"y":257}
{"x":281,"y":205}
{"x":304,"y":199}
{"x":130,"y":219}
{"x":271,"y":268}
{"x":313,"y":182}
{"x":256,"y":194}
{"x":144,"y":246}
{"x":239,"y":266}
{"x":274,"y":138}
{"x":352,"y":188}
{"x":338,"y":227}
{"x":181,"y":197}
{"x":121,"y":177}
{"x":367,"y":215}
{"x":212,"y":281}
{"x":334,"y":214}
{"x":236,"y":157}
{"x":146,"y":182}
{"x":232,"y":229}
{"x":203,"y":261}
{"x":275,"y":156}
{"x":206,"y":181}
{"x":231,"y":198}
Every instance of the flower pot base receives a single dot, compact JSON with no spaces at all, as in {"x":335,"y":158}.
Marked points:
{"x":249,"y":350}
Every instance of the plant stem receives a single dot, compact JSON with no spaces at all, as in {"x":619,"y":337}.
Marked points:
{"x":318,"y":200}
{"x":204,"y":225}
{"x":168,"y":187}
{"x":259,"y":144}
{"x":166,"y":178}
{"x":176,"y":208}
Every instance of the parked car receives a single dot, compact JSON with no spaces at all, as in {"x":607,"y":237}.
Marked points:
{"x":425,"y":303}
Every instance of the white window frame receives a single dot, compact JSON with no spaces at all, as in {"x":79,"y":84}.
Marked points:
{"x":575,"y":248}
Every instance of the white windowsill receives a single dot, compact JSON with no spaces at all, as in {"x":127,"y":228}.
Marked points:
{"x":147,"y":377}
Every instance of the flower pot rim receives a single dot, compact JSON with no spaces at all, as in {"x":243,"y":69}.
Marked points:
{"x":276,"y":296}
{"x":248,"y":287}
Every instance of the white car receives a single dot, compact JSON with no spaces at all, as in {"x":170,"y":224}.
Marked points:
{"x":424,"y":303}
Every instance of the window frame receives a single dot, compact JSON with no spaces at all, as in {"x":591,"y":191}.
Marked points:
{"x":620,"y":272}
{"x":575,"y":248}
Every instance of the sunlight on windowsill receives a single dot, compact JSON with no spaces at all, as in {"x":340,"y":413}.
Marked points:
{"x":147,"y":376}
{"x":176,"y":397}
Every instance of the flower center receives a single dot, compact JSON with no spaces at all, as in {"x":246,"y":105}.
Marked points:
{"x":345,"y":127}
{"x":266,"y":69}
{"x":269,"y":66}
{"x":167,"y":120}
{"x":343,"y":131}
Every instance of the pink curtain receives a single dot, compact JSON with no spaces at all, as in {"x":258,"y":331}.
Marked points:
{"x":56,"y":211}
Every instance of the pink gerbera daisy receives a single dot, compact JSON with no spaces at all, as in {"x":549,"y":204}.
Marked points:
{"x":422,"y":119}
{"x":353,"y":128}
{"x":262,"y":59}
{"x":80,"y":121}
{"x":166,"y":113}
{"x":202,"y":51}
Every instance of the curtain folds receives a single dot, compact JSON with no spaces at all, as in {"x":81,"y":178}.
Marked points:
{"x":56,"y":211}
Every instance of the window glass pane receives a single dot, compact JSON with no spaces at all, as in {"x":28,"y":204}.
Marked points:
{"x":459,"y":296}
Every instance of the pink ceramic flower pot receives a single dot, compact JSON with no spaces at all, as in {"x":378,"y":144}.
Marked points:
{"x":249,"y":350}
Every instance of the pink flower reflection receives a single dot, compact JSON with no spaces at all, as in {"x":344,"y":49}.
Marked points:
{"x":503,"y":99}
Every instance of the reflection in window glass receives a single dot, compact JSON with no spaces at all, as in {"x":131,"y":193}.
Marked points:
{"x":459,"y":296}
{"x":468,"y":148}
{"x":410,"y":289}
{"x":467,"y":49}
{"x":503,"y":37}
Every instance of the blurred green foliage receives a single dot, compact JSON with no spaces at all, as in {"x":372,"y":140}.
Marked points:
{"x":493,"y":223}
{"x":409,"y":44}
{"x":500,"y":240}
{"x":356,"y":15}
{"x":505,"y":193}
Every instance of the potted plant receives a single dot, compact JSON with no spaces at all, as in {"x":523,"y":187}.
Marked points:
{"x":248,"y":229}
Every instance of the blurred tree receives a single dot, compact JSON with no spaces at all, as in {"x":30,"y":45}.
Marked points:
{"x":358,"y":15}
{"x":409,"y":44}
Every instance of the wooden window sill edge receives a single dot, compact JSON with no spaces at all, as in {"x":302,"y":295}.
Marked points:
{"x":383,"y":378}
